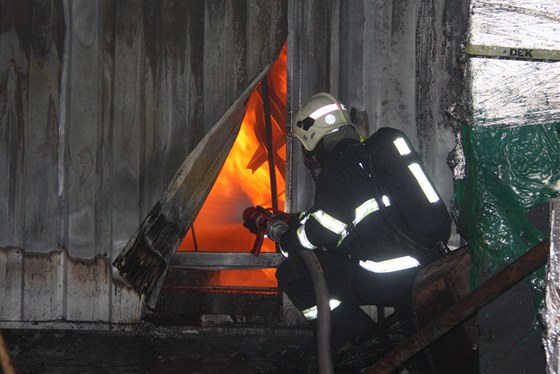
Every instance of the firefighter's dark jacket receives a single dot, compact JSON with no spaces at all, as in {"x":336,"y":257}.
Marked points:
{"x":343,"y":186}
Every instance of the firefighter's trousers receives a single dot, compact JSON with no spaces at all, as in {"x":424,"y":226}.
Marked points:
{"x":349,"y":284}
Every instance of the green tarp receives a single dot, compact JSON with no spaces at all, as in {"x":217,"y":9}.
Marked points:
{"x":508,"y":171}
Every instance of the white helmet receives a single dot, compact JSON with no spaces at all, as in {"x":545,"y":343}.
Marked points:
{"x":321,"y":115}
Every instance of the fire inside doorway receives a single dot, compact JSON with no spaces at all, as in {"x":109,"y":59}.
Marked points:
{"x":223,"y":280}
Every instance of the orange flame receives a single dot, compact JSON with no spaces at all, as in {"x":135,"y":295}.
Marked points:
{"x":245,"y":181}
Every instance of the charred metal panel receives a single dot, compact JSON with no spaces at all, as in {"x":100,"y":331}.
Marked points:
{"x":100,"y":104}
{"x":50,"y":286}
{"x":11,"y":290}
{"x":40,"y":300}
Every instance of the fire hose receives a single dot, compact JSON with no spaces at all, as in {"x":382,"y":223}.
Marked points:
{"x":273,"y":223}
{"x":315,"y":269}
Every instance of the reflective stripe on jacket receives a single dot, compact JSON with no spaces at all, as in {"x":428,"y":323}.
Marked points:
{"x":344,"y":204}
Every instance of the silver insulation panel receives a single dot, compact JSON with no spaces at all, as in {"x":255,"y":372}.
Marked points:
{"x":516,"y":23}
{"x":514,"y":69}
{"x":551,"y":310}
{"x":515,"y":93}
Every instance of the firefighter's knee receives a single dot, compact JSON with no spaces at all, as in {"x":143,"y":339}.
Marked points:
{"x":288,"y":272}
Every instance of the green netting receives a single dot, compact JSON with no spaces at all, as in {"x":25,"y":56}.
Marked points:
{"x":508,"y":171}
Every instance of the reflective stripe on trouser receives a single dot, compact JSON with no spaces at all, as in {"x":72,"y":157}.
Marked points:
{"x":311,"y":313}
{"x":362,"y":287}
{"x":389,"y":266}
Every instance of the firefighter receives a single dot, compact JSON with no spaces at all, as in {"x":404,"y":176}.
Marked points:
{"x":343,"y":227}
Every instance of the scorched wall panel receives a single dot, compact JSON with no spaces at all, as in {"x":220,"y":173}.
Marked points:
{"x":100,"y":103}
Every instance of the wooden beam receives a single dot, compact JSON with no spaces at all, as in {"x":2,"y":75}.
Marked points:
{"x":488,"y":291}
{"x":5,"y":361}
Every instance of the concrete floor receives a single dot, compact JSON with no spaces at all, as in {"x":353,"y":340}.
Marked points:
{"x":165,"y":351}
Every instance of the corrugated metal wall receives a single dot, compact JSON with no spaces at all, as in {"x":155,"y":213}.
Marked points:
{"x":100,"y":103}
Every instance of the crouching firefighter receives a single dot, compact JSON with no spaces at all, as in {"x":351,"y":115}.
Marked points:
{"x":376,"y":219}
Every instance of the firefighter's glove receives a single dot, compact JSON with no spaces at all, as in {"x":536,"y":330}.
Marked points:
{"x":290,"y":244}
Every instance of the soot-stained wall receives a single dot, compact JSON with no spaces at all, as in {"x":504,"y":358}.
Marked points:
{"x":100,"y":103}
